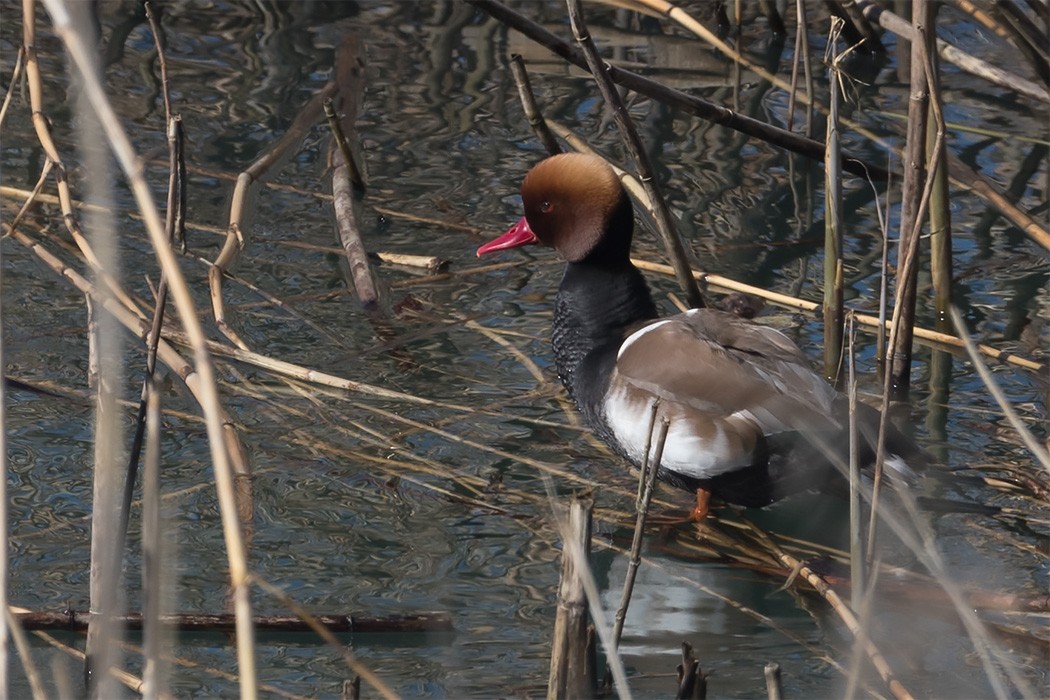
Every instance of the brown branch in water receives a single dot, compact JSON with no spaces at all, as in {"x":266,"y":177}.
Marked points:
{"x":528,"y":104}
{"x":676,"y":98}
{"x":342,"y":623}
{"x":633,"y":144}
{"x":361,"y":276}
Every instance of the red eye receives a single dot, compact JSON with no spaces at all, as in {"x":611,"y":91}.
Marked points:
{"x":546,"y":207}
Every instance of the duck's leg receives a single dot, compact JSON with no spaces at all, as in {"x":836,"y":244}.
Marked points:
{"x":702,"y":507}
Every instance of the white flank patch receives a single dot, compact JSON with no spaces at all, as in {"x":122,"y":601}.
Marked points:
{"x":898,"y":466}
{"x":684,"y":451}
{"x":638,"y":334}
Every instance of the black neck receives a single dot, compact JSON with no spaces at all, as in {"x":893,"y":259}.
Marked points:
{"x":596,"y":303}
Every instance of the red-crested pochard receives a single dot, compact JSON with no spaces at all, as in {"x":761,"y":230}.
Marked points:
{"x":750,"y":421}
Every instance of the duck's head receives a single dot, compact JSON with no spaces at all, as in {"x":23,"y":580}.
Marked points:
{"x":575,"y":204}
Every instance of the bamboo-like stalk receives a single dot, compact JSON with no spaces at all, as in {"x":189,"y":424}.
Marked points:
{"x":81,"y":55}
{"x":646,"y":488}
{"x":900,"y":347}
{"x":856,"y":548}
{"x":174,"y":226}
{"x":633,"y":143}
{"x":528,"y":104}
{"x":104,"y":573}
{"x":774,"y":688}
{"x":801,"y":56}
{"x":154,"y":671}
{"x":878,"y":661}
{"x":237,"y":233}
{"x":676,"y":98}
{"x":5,"y":632}
{"x":832,"y":308}
{"x":569,"y":640}
{"x":940,"y":210}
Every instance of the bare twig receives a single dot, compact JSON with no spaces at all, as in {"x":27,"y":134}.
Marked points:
{"x":632,"y":142}
{"x":528,"y":104}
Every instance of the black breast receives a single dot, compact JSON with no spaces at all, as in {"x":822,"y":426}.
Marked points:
{"x":595,"y":306}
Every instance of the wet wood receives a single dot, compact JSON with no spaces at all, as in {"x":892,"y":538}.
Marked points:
{"x":351,"y":623}
{"x":568,"y":670}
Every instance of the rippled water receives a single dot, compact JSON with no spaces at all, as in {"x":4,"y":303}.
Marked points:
{"x":358,"y":510}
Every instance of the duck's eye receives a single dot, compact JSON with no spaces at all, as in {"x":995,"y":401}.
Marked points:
{"x":546,"y":207}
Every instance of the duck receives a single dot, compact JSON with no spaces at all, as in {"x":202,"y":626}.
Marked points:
{"x":749,"y":421}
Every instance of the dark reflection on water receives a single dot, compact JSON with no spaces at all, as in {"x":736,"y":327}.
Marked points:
{"x":358,"y":512}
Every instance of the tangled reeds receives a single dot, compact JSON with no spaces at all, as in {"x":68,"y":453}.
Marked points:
{"x":370,"y":421}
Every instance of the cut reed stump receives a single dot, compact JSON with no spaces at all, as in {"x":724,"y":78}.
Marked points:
{"x":570,"y":670}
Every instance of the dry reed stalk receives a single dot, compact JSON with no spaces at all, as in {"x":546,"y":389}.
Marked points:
{"x":155,"y":564}
{"x":636,"y":150}
{"x":16,"y":74}
{"x":18,"y":636}
{"x":962,"y":60}
{"x":1030,"y":441}
{"x":692,"y":682}
{"x":856,"y":550}
{"x":940,"y":207}
{"x":362,"y":279}
{"x":676,"y":98}
{"x":646,"y":487}
{"x":1027,"y":37}
{"x":174,"y":226}
{"x":126,"y":679}
{"x":801,"y":56}
{"x":225,"y":479}
{"x":832,"y":307}
{"x":900,"y":346}
{"x":774,"y":687}
{"x":5,"y":629}
{"x":878,"y":661}
{"x":430,"y":263}
{"x":42,"y":128}
{"x":960,"y":173}
{"x":263,"y":167}
{"x":528,"y":104}
{"x":568,"y":678}
{"x":106,"y":358}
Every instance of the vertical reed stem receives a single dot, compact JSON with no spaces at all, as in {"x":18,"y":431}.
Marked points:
{"x":940,"y":213}
{"x":568,"y":677}
{"x":832,"y":308}
{"x":914,"y":178}
{"x":528,"y":104}
{"x":152,"y":558}
{"x":856,"y":551}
